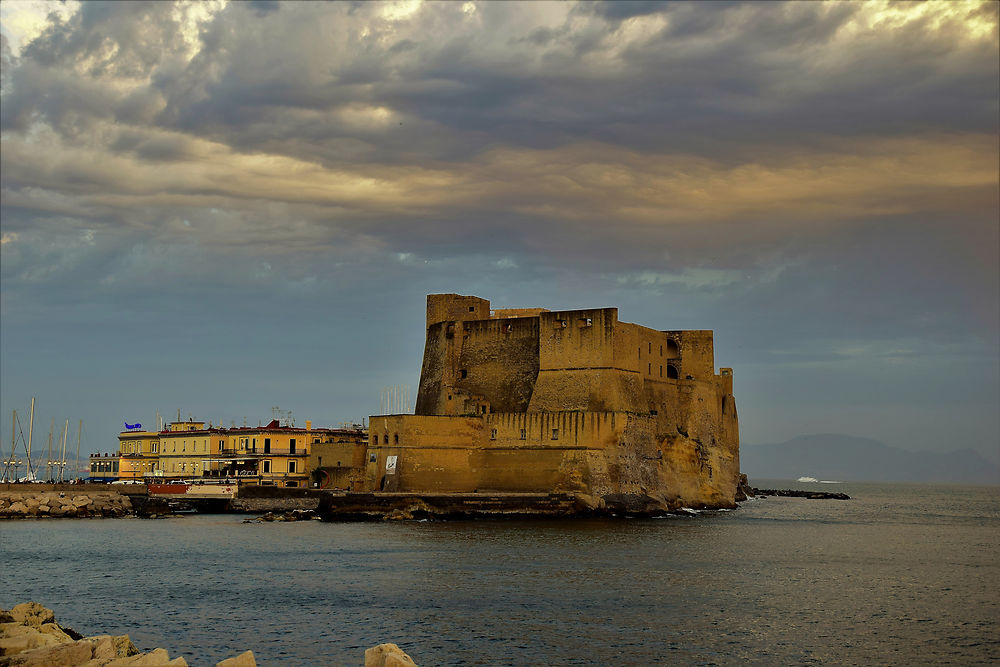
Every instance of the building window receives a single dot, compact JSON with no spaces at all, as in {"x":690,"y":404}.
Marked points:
{"x":267,"y":445}
{"x":291,"y":466}
{"x":649,"y":368}
{"x":493,"y":434}
{"x":555,"y":434}
{"x":650,"y":348}
{"x":661,"y":350}
{"x":266,"y":466}
{"x":395,"y":438}
{"x":372,"y":457}
{"x":472,"y":309}
{"x":291,"y":446}
{"x":385,"y":439}
{"x":661,"y":371}
{"x":671,"y":371}
{"x":524,"y":434}
{"x":465,"y":373}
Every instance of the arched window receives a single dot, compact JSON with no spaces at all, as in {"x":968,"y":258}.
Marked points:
{"x":672,"y":351}
{"x":671,"y":371}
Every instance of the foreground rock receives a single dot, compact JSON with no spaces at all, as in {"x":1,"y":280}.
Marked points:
{"x":387,"y":655}
{"x":30,"y":637}
{"x":34,"y":505}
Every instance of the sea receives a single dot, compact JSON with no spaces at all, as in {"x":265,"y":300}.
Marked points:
{"x":900,"y":574}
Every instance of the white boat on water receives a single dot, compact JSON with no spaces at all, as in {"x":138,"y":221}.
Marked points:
{"x":807,"y":479}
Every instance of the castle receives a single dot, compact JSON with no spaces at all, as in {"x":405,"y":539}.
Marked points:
{"x":576,"y":402}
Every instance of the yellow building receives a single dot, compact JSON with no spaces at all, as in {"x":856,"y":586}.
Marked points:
{"x":271,"y":455}
{"x":186,"y":448}
{"x":139,"y":455}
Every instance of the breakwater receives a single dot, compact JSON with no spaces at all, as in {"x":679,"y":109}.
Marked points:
{"x":28,"y":503}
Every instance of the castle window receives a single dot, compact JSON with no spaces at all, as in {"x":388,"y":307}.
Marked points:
{"x":672,"y":351}
{"x":661,"y":371}
{"x":395,"y":438}
{"x":484,"y":409}
{"x":524,"y":434}
{"x":650,"y":348}
{"x":555,"y":434}
{"x":649,"y":368}
{"x":671,"y":371}
{"x":372,"y":457}
{"x":465,"y":373}
{"x":385,"y":440}
{"x":493,"y":434}
{"x":472,"y":309}
{"x":661,"y":350}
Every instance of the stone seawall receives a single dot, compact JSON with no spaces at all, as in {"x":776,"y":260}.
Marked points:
{"x":31,"y":504}
{"x":260,"y":505}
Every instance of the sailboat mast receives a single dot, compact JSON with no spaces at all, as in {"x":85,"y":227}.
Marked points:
{"x":48,"y":461}
{"x":79,"y":434}
{"x":13,"y":442}
{"x":62,"y":459}
{"x":31,"y":423}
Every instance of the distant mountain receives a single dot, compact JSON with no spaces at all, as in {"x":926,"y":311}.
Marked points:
{"x":846,"y":458}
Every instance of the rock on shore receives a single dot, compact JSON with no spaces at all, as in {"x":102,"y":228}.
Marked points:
{"x":30,"y":637}
{"x":34,"y":505}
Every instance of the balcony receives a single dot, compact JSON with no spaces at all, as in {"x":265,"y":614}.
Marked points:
{"x":298,"y":451}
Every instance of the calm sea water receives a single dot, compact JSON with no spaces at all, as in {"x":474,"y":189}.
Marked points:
{"x":901,"y":574}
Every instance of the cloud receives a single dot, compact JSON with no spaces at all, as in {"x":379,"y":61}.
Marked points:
{"x":793,"y":171}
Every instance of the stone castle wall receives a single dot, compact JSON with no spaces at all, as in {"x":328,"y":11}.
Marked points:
{"x":562,"y":402}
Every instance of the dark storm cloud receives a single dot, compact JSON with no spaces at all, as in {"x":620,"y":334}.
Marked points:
{"x":820,"y":176}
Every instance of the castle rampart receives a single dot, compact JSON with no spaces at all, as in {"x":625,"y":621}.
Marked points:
{"x":533,"y":400}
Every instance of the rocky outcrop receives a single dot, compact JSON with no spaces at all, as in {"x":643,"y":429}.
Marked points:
{"x":294,"y":515}
{"x":743,"y":489}
{"x":795,"y":493}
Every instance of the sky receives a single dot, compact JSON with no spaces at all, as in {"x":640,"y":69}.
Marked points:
{"x":220,"y":209}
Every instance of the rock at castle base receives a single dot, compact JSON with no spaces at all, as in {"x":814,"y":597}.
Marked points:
{"x":387,"y":655}
{"x":242,"y":660}
{"x":32,"y":613}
